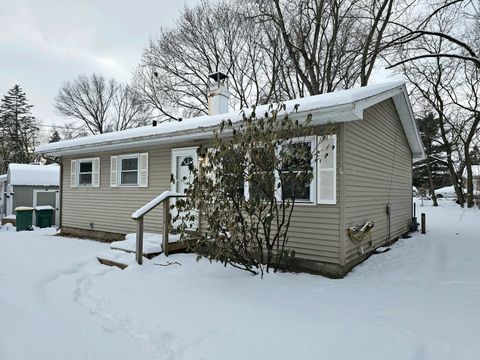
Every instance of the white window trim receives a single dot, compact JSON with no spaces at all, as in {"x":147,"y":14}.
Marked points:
{"x":334,"y":169}
{"x":77,"y":174}
{"x":312,"y":139}
{"x":313,"y":184}
{"x":119,"y":169}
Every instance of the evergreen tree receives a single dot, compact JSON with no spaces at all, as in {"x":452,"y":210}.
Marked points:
{"x":18,"y":129}
{"x":55,"y":137}
{"x":431,"y":172}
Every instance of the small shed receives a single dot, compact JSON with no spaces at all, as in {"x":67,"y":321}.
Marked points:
{"x":31,"y":185}
{"x":476,"y":179}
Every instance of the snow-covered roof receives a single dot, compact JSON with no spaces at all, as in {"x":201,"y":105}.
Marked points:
{"x":34,"y":175}
{"x":334,"y":107}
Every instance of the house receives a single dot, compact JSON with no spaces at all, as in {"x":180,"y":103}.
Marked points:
{"x":30,"y":185}
{"x":106,"y":177}
{"x":475,"y":178}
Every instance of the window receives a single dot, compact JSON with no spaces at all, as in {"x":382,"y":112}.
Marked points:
{"x":85,"y":173}
{"x":327,"y":170}
{"x":297,"y":174}
{"x":234,"y":173}
{"x":128,"y":170}
{"x":262,"y":182}
{"x":187,"y":161}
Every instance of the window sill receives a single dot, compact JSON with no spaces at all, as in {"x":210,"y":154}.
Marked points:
{"x":305,"y":203}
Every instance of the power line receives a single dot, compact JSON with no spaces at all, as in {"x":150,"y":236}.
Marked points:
{"x":60,"y":127}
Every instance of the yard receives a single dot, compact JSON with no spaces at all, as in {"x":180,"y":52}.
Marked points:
{"x":420,"y":300}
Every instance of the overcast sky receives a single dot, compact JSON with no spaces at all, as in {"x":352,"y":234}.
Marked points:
{"x":46,"y":42}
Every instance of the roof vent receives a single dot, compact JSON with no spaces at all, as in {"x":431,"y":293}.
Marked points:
{"x":218,"y":95}
{"x":154,"y":123}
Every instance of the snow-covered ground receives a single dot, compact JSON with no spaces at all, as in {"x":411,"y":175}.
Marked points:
{"x":420,"y":300}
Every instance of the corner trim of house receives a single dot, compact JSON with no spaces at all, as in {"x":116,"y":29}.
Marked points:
{"x":342,"y":197}
{"x":60,"y":193}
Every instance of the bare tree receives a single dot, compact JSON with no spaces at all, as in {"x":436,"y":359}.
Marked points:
{"x":465,"y":94}
{"x":271,"y":50}
{"x":101,"y":105}
{"x":314,"y":34}
{"x":71,"y":131}
{"x":130,"y":109}
{"x":464,"y":48}
{"x":333,"y":43}
{"x":87,"y":99}
{"x":451,"y":87}
{"x":208,"y":38}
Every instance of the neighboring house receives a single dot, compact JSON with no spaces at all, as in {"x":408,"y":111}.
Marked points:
{"x":31,"y":185}
{"x":475,"y":178}
{"x":107,"y":177}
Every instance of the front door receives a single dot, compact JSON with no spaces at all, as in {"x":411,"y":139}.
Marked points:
{"x":182,"y":159}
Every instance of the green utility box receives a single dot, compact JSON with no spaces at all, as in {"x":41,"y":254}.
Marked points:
{"x":44,"y":216}
{"x":24,"y":218}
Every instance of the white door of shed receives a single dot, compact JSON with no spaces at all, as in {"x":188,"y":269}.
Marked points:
{"x":44,"y":198}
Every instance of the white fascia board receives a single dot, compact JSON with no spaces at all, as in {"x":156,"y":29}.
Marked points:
{"x":360,"y":105}
{"x":334,"y":114}
{"x":326,"y":115}
{"x":405,"y":113}
{"x":407,"y":119}
{"x":337,"y":114}
{"x":133,"y":143}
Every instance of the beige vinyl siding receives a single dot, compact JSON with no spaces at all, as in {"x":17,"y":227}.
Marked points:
{"x":109,"y":208}
{"x":378,"y":170}
{"x":314,"y":231}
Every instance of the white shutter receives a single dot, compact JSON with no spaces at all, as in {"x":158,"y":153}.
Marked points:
{"x":113,"y":171}
{"x":143,"y":170}
{"x":277,"y":183}
{"x":327,"y":170}
{"x":73,"y":173}
{"x":96,"y":172}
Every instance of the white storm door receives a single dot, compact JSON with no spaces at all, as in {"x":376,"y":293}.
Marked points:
{"x":182,"y":159}
{"x":47,"y":197}
{"x":10,"y":200}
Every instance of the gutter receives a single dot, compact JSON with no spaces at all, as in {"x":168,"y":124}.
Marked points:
{"x":331,"y":114}
{"x":340,"y":113}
